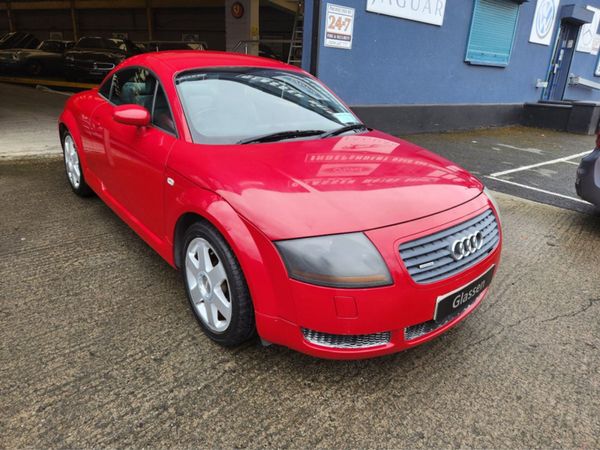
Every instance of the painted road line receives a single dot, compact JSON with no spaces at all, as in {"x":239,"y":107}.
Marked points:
{"x":546,"y":163}
{"x":571,"y":162}
{"x":39,"y":87}
{"x":56,"y":83}
{"x":543,"y":191}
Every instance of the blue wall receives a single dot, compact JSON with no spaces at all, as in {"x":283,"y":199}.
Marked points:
{"x":398,"y":61}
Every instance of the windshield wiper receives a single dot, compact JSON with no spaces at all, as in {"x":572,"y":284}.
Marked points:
{"x":281,"y":135}
{"x":354,"y":126}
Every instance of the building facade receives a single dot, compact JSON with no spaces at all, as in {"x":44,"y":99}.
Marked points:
{"x":416,"y":65}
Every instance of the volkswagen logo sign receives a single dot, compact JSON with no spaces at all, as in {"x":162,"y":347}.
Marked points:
{"x":545,"y":18}
{"x":466,"y":245}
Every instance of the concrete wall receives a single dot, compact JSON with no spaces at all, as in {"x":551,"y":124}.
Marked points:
{"x":397,"y":61}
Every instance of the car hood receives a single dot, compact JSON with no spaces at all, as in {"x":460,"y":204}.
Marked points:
{"x":36,"y":52}
{"x":335,"y":185}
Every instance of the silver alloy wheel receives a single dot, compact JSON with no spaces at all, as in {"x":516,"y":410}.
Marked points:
{"x":208,"y":285}
{"x":72,"y":162}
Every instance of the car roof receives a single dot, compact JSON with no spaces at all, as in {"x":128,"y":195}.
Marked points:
{"x":171,"y":62}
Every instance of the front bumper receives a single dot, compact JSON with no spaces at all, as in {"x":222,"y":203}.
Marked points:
{"x":312,"y":319}
{"x":84,"y":73}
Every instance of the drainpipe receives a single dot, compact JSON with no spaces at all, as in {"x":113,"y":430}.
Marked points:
{"x":315,"y":39}
{"x":149,"y":19}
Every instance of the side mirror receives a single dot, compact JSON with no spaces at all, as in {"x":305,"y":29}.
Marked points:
{"x":135,"y":115}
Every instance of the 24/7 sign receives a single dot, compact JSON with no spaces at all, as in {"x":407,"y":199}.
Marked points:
{"x":339,"y":26}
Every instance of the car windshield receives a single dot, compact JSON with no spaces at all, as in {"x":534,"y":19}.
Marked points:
{"x":50,"y":46}
{"x":227,"y":106}
{"x":90,"y":43}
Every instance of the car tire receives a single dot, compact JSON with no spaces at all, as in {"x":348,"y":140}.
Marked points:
{"x":73,"y":167}
{"x":34,"y":68}
{"x":216,"y":287}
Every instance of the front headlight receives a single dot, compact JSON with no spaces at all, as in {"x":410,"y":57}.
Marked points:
{"x":341,"y":260}
{"x":489,"y":195}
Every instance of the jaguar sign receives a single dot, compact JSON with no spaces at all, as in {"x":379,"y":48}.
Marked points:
{"x":428,"y":11}
{"x":543,"y":21}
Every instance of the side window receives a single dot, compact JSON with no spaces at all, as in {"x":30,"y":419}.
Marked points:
{"x":133,"y":86}
{"x":161,"y":114}
{"x":492,"y":32}
{"x":105,"y":88}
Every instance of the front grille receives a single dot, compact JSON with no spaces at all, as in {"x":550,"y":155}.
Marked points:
{"x":421,"y":329}
{"x":346,"y":340}
{"x":430,"y":259}
{"x":91,"y":64}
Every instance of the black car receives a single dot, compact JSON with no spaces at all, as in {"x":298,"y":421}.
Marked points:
{"x":587,"y":183}
{"x":18,"y":39}
{"x":93,"y":57}
{"x":159,"y":46}
{"x":267,"y":52}
{"x":46,"y":59}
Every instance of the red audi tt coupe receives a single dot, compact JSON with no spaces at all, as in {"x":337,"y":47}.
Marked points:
{"x":286,"y":215}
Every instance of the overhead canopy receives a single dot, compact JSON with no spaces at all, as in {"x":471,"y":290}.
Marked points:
{"x":576,"y":14}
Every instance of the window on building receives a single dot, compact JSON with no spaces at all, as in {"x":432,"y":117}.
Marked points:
{"x":492,"y":32}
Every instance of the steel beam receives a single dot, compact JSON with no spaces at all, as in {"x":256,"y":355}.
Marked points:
{"x":110,"y":4}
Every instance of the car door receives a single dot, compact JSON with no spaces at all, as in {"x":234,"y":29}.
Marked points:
{"x":137,"y":156}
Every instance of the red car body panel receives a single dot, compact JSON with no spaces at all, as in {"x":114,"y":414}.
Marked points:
{"x":328,"y":186}
{"x":392,"y":190}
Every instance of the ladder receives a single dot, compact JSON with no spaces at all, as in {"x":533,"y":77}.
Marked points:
{"x":295,"y":53}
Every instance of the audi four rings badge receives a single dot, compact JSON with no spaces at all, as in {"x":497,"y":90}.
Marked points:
{"x":466,"y":245}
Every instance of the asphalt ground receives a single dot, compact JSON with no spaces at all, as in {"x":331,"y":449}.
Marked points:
{"x":29,"y":121}
{"x":98,"y":347}
{"x":531,"y":163}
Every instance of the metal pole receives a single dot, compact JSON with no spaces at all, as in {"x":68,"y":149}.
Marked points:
{"x":149,"y":20}
{"x":11,"y":24}
{"x":74,"y":21}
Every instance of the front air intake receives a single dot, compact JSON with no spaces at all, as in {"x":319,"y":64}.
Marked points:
{"x":421,"y":329}
{"x":352,"y":341}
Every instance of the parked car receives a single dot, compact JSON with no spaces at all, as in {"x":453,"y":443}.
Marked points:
{"x":93,"y":57}
{"x":160,"y":46}
{"x":285,"y":214}
{"x":587,"y":183}
{"x":267,"y":52}
{"x":46,"y":59}
{"x":18,"y":39}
